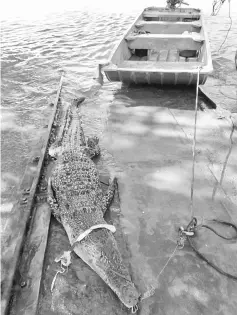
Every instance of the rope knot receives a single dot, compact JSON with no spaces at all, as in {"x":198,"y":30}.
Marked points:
{"x":188,"y":232}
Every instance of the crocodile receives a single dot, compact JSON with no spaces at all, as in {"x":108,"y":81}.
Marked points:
{"x":77,"y":201}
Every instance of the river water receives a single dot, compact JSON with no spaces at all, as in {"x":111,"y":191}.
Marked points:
{"x":34,"y":51}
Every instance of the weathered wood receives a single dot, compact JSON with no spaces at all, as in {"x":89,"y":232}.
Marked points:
{"x":159,"y":27}
{"x":19,"y":223}
{"x":25,"y":300}
{"x":165,"y":41}
{"x":170,"y":14}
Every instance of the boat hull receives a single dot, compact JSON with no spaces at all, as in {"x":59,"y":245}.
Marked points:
{"x":162,"y":47}
{"x":159,"y":78}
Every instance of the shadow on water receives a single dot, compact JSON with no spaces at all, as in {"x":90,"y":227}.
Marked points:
{"x":180,"y":97}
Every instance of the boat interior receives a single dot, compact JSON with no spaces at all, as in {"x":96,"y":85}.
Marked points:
{"x":161,"y":37}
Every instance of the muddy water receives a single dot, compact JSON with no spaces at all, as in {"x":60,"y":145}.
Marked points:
{"x":32,"y":56}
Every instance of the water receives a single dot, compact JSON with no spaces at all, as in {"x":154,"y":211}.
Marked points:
{"x":34,"y":51}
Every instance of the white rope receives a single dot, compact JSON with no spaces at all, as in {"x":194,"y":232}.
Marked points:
{"x":152,"y":290}
{"x":194,"y":144}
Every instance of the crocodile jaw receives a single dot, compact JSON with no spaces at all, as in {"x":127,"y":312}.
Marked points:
{"x":99,"y":250}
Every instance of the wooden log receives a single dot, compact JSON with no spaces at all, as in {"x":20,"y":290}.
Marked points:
{"x":19,"y":223}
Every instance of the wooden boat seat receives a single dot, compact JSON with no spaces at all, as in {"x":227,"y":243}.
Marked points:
{"x":148,"y":66}
{"x":158,"y":27}
{"x":165,"y":23}
{"x":185,"y":41}
{"x":171,"y":16}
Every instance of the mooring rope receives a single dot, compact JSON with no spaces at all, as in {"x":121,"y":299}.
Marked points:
{"x":190,"y":231}
{"x":194,"y":144}
{"x":152,"y":290}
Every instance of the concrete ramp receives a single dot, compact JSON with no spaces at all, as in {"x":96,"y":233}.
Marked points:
{"x":151,"y":146}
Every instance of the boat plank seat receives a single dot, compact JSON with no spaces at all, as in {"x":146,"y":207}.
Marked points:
{"x":154,"y":66}
{"x":158,"y":27}
{"x":167,"y":42}
{"x":175,"y":14}
{"x":193,"y":23}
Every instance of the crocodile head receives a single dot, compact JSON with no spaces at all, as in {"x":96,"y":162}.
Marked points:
{"x":100,"y":251}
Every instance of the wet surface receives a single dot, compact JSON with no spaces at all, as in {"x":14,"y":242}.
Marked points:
{"x":148,"y":147}
{"x":152,"y":148}
{"x":145,"y":136}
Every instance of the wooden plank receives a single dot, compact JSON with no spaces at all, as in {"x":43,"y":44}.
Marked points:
{"x":25,"y":301}
{"x":157,"y":27}
{"x":161,"y":42}
{"x":157,"y":13}
{"x":31,"y":266}
{"x":19,"y":223}
{"x":197,"y":24}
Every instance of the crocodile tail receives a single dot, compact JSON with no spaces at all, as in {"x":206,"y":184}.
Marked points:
{"x":75,"y":131}
{"x":74,"y":108}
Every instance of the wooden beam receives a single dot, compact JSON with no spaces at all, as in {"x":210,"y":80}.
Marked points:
{"x":161,"y":42}
{"x":19,"y":222}
{"x":157,"y":13}
{"x":156,"y":27}
{"x":143,"y":23}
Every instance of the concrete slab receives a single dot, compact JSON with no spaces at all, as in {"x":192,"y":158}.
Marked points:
{"x":152,"y":149}
{"x":146,"y":139}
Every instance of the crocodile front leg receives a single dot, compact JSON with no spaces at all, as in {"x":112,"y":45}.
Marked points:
{"x":53,"y":202}
{"x":109,"y":195}
{"x":93,"y":146}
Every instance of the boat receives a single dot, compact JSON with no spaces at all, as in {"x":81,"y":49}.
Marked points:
{"x":162,"y":46}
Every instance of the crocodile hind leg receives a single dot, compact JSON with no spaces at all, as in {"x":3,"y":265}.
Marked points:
{"x":53,"y":202}
{"x":109,"y":195}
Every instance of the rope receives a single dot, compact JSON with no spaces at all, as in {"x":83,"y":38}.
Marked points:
{"x":190,"y":231}
{"x":152,"y":291}
{"x":228,"y":29}
{"x":194,"y":144}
